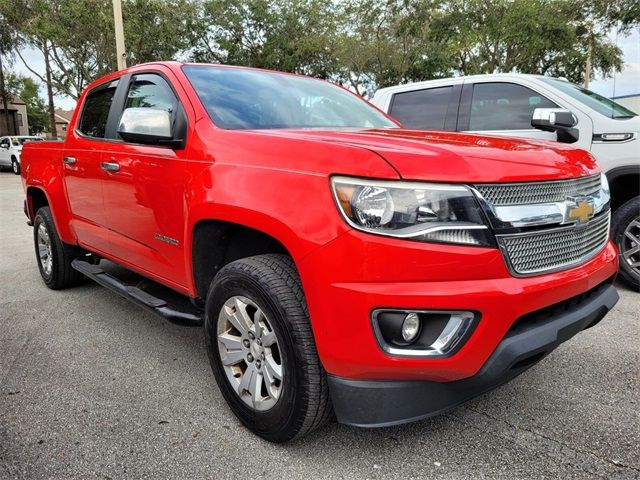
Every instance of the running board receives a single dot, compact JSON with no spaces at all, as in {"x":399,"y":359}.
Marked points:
{"x":138,"y":296}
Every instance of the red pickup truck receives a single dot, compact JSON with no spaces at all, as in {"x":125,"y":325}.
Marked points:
{"x":341,"y":265}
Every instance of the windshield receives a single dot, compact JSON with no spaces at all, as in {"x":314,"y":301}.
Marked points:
{"x":238,"y":98}
{"x":591,"y":99}
{"x":17,"y":141}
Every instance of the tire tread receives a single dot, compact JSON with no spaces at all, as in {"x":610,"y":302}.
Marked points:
{"x":63,"y":274}
{"x":278,"y":274}
{"x":621,"y":217}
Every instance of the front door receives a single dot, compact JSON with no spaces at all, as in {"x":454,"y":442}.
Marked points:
{"x":5,"y":145}
{"x":502,"y":108}
{"x":144,"y":193}
{"x":82,"y":171}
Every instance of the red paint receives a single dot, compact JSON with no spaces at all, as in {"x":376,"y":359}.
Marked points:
{"x":277,"y":181}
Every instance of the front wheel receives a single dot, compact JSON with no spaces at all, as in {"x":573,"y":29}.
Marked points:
{"x":625,"y":232}
{"x":261,"y":348}
{"x":15,"y":165}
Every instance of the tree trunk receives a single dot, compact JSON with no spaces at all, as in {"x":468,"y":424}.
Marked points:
{"x":587,"y":67}
{"x":3,"y":94}
{"x":52,"y":108}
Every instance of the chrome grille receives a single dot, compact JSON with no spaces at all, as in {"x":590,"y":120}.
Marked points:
{"x":537,"y":192}
{"x":556,"y":249}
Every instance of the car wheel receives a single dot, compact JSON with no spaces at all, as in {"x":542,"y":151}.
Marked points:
{"x":54,"y":257}
{"x":625,"y":232}
{"x":262,"y":351}
{"x":15,"y":165}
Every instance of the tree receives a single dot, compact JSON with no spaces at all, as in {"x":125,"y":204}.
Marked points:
{"x":77,"y":35}
{"x":552,"y":37}
{"x":6,"y":45}
{"x":287,"y":35}
{"x":384,"y":43}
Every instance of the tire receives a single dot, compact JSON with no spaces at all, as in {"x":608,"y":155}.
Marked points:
{"x":270,"y":284}
{"x":58,"y":273}
{"x":15,"y":165}
{"x":625,"y":232}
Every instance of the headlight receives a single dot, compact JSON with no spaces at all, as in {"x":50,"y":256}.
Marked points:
{"x":427,"y":212}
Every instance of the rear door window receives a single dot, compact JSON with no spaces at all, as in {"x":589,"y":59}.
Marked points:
{"x":504,"y":106}
{"x":422,"y":109}
{"x":96,"y":108}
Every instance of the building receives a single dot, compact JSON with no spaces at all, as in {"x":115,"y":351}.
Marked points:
{"x":63,"y":118}
{"x":17,"y":115}
{"x":632,"y":102}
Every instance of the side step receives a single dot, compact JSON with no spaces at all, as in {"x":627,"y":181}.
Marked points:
{"x":193,"y":318}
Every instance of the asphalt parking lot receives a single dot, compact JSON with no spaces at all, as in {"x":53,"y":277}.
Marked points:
{"x":91,"y":386}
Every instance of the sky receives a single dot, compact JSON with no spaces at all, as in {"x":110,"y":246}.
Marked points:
{"x":626,"y":82}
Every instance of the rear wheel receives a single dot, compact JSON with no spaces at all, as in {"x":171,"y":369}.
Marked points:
{"x":625,"y":232}
{"x":54,"y":257}
{"x":262,"y":351}
{"x":15,"y":165}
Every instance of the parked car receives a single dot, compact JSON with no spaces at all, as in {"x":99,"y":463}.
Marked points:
{"x":520,"y":106}
{"x":338,"y":262}
{"x":10,"y":148}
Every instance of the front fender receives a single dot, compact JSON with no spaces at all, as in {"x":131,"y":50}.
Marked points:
{"x":295,"y":208}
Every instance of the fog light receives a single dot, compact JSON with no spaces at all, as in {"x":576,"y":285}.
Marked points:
{"x":410,"y":327}
{"x":422,"y":333}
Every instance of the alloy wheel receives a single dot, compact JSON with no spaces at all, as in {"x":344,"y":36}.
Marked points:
{"x":629,"y":246}
{"x":250,"y":353}
{"x":44,"y":249}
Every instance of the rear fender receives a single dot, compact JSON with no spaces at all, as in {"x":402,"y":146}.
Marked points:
{"x":41,"y":172}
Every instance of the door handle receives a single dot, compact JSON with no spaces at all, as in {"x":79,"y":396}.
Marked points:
{"x":69,"y":160}
{"x":110,"y":166}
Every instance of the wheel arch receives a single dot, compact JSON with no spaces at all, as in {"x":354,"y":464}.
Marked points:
{"x":38,"y":197}
{"x":624,"y":183}
{"x":218,"y":242}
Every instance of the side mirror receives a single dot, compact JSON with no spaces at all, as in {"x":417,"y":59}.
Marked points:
{"x":556,"y":120}
{"x":150,"y":126}
{"x":4,"y":147}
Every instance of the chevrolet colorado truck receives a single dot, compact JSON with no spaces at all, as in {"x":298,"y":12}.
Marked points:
{"x":340,"y":264}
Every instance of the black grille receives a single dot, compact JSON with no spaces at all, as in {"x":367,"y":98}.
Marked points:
{"x":550,"y":313}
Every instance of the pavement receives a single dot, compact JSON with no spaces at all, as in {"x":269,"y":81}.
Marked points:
{"x":92,"y":386}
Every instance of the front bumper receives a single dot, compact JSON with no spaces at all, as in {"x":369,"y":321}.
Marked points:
{"x":346,"y":280}
{"x":370,"y":403}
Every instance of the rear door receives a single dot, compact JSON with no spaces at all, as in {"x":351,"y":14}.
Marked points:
{"x":82,"y":172}
{"x":501,"y":108}
{"x":433,"y":108}
{"x":145,"y":190}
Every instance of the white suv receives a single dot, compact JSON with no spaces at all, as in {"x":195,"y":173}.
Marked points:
{"x":544,"y":108}
{"x":10,"y":148}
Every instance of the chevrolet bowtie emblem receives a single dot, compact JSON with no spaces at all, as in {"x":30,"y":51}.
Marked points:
{"x":582,"y":211}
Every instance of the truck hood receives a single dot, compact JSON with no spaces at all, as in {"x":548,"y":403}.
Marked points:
{"x":458,"y":157}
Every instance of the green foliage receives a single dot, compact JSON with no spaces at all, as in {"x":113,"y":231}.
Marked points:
{"x":288,"y":35}
{"x":79,"y":36}
{"x":364,"y":44}
{"x":527,"y":36}
{"x":388,"y":42}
